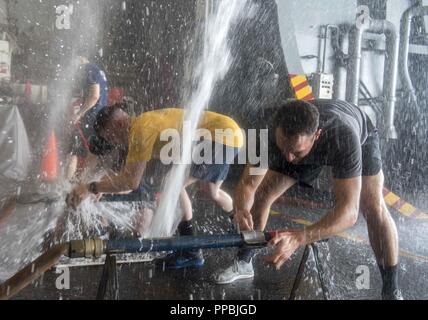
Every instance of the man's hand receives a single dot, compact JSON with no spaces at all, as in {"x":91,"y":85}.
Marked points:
{"x":77,"y":196}
{"x":76,"y":116}
{"x":244,"y":220}
{"x":285,"y":243}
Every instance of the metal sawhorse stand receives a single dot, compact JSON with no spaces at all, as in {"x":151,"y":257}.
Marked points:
{"x":109,"y":280}
{"x":318,"y":266}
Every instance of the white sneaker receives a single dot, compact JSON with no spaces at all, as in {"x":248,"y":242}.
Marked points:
{"x":395,"y":295}
{"x":238,"y":271}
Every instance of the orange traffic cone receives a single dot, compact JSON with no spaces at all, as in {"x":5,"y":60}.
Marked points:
{"x":49,"y":168}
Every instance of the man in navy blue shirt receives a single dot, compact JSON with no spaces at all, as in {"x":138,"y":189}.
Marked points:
{"x":95,"y":98}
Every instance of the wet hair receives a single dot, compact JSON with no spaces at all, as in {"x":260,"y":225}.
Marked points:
{"x":99,"y":146}
{"x":105,"y":116}
{"x":297,"y":118}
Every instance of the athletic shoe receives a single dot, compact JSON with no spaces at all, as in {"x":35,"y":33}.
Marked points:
{"x":181,"y":260}
{"x":238,"y":271}
{"x":394,"y":295}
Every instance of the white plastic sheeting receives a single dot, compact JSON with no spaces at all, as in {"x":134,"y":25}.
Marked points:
{"x":15,"y":152}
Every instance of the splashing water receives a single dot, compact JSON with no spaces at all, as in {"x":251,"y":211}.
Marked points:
{"x":95,"y":218}
{"x":23,"y":237}
{"x":213,"y":66}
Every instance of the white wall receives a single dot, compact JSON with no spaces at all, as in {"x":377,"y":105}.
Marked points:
{"x":309,"y":16}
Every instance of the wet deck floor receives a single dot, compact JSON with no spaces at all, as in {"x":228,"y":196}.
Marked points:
{"x":340,"y":258}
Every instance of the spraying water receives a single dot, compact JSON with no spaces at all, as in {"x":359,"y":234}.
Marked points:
{"x":213,"y":66}
{"x":22,"y":239}
{"x":23,"y":236}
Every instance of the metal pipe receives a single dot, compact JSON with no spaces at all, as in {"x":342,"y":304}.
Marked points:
{"x":95,"y":248}
{"x":391,"y":68}
{"x":320,"y":49}
{"x":342,"y":60}
{"x":7,"y":208}
{"x":390,"y":77}
{"x":32,"y":272}
{"x":175,"y":244}
{"x":354,"y":64}
{"x":369,"y":98}
{"x":325,"y":37}
{"x":406,"y":28}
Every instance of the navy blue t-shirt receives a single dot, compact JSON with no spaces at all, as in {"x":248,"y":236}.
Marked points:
{"x":94,"y":75}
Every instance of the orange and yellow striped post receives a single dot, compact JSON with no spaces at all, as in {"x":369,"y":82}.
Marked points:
{"x":301,"y":87}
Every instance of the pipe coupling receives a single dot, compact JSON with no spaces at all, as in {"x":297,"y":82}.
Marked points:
{"x":254,"y":239}
{"x":90,"y":248}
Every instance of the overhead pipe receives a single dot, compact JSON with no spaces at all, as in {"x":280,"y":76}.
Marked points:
{"x":354,"y":63}
{"x":406,"y":28}
{"x":323,"y":47}
{"x":96,"y":248}
{"x":391,"y":68}
{"x":339,"y":45}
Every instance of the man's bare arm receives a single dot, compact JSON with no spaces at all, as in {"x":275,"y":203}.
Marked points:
{"x":255,"y":195}
{"x":273,"y":186}
{"x":128,"y":180}
{"x":343,"y":216}
{"x":92,"y":99}
{"x":246,"y":189}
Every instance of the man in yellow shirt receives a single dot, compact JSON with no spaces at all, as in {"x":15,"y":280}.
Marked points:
{"x":144,"y":138}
